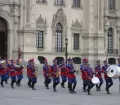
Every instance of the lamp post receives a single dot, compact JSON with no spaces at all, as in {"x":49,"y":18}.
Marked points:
{"x":66,"y":47}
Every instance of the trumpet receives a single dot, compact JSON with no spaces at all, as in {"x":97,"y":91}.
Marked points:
{"x":58,"y":74}
{"x":36,"y":73}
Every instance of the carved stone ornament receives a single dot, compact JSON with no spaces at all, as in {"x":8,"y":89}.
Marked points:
{"x":59,"y":17}
{"x":76,"y":25}
{"x":41,"y":24}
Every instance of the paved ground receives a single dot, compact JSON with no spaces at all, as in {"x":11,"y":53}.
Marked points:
{"x":25,"y":96}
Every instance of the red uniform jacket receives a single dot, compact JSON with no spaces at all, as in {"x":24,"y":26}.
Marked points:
{"x":12,"y":70}
{"x":54,"y":71}
{"x":2,"y":71}
{"x":19,"y":70}
{"x":63,"y":70}
{"x":104,"y":68}
{"x":98,"y":71}
{"x":46,"y":71}
{"x":32,"y":72}
{"x":70,"y":71}
{"x":87,"y":76}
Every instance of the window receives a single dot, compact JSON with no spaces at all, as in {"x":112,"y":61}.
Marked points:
{"x":58,"y":38}
{"x":110,"y":40}
{"x":76,"y":3}
{"x":39,"y":39}
{"x":59,"y":2}
{"x":41,"y":1}
{"x":112,"y":4}
{"x":76,"y":41}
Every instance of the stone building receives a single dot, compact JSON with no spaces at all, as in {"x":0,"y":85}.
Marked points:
{"x":39,"y":28}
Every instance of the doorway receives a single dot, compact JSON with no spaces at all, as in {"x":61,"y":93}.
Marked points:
{"x":3,"y":39}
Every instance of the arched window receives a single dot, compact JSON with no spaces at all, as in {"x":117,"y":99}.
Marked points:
{"x":58,"y":38}
{"x":111,"y":4}
{"x":110,"y":40}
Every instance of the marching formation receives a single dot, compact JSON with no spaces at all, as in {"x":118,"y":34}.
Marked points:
{"x":14,"y":70}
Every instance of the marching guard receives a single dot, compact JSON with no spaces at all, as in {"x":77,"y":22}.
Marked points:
{"x":98,"y":71}
{"x":88,"y":77}
{"x":29,"y":66}
{"x":55,"y":74}
{"x":71,"y":76}
{"x":108,"y":80}
{"x":82,"y":68}
{"x":12,"y":69}
{"x":63,"y":74}
{"x":3,"y":71}
{"x":19,"y":71}
{"x":47,"y":74}
{"x":33,"y":74}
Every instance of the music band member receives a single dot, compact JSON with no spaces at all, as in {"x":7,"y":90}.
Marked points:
{"x":71,"y":76}
{"x":108,"y":80}
{"x":88,"y":76}
{"x":98,"y":71}
{"x":29,"y":66}
{"x":19,"y":69}
{"x":63,"y":74}
{"x":82,"y":67}
{"x":33,"y":75}
{"x":47,"y":74}
{"x":3,"y":71}
{"x":7,"y":71}
{"x":55,"y":74}
{"x":12,"y":69}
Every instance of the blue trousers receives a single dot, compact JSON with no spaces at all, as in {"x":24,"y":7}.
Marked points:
{"x":64,"y":78}
{"x":72,"y":80}
{"x":109,"y":82}
{"x":56,"y":80}
{"x":19,"y":77}
{"x":13,"y":78}
{"x":3,"y":77}
{"x":34,"y":80}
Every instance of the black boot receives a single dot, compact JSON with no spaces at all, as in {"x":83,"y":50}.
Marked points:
{"x":74,"y":86}
{"x":2,"y":83}
{"x":54,"y":87}
{"x":33,"y":86}
{"x":29,"y":83}
{"x":97,"y":88}
{"x":70,"y":87}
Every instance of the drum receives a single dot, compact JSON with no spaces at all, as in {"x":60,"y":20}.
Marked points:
{"x":95,"y":80}
{"x":113,"y":71}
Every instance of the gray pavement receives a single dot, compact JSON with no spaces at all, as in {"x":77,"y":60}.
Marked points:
{"x":26,"y":96}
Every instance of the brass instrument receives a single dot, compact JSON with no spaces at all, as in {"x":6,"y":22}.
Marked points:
{"x":58,"y":72}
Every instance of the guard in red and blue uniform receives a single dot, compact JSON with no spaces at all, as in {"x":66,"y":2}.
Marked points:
{"x":82,"y":67}
{"x":29,"y":66}
{"x":108,"y":80}
{"x":63,"y":74}
{"x":12,"y":69}
{"x":8,"y":70}
{"x":98,"y":71}
{"x":3,"y":71}
{"x":47,"y":74}
{"x":71,"y":76}
{"x":55,"y":74}
{"x":19,"y":72}
{"x":33,"y":75}
{"x":88,"y":73}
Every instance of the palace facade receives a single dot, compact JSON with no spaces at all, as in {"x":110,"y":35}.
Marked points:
{"x":40,"y":27}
